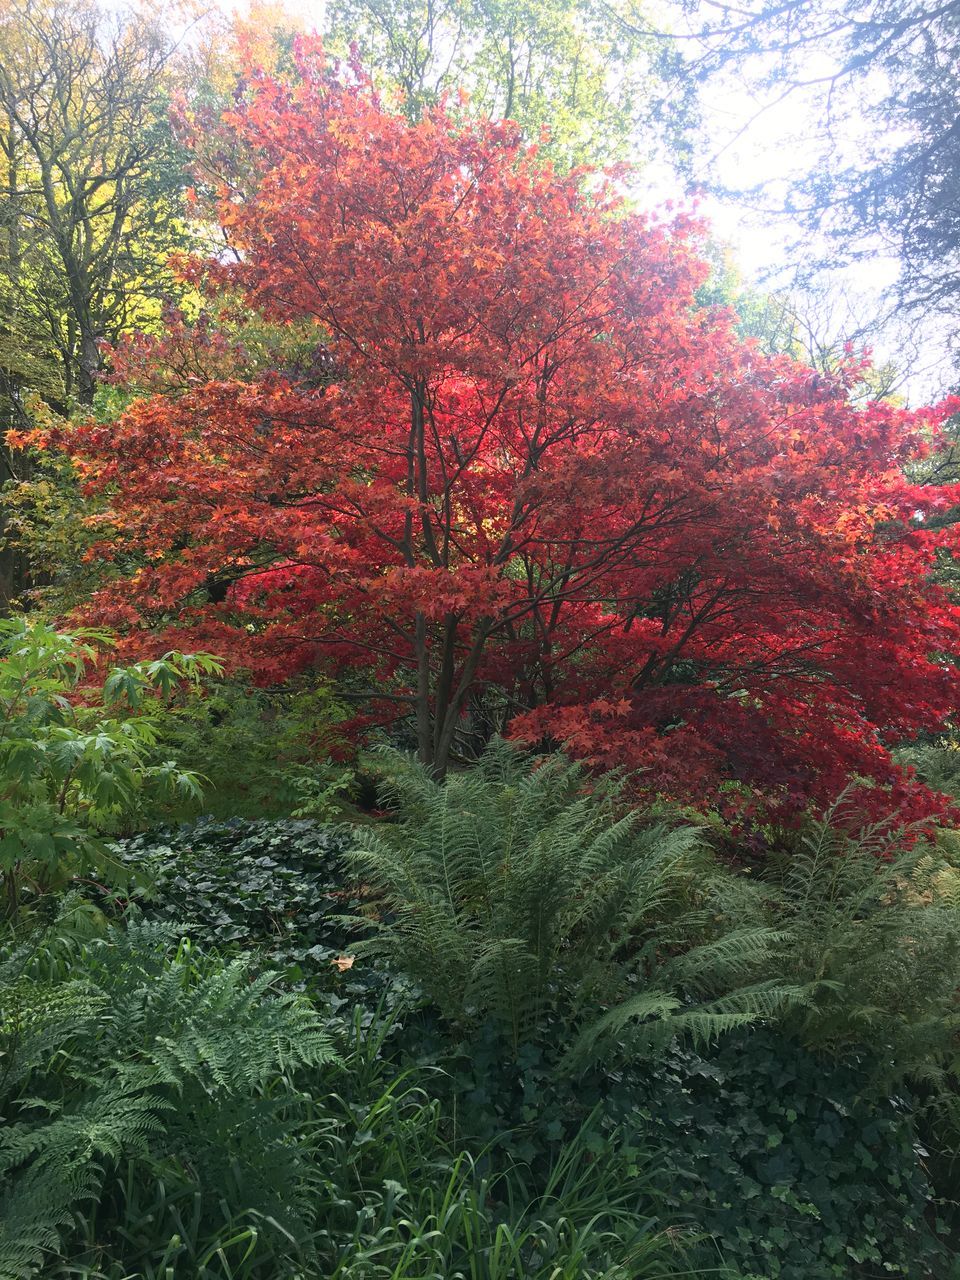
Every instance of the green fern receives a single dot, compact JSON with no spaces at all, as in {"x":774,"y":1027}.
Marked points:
{"x":155,"y":1050}
{"x":937,"y":763}
{"x":514,"y":891}
{"x":34,"y":1209}
{"x":870,"y":919}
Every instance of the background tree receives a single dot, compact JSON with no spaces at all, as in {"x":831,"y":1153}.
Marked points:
{"x":90,"y":205}
{"x":879,"y":84}
{"x":93,"y":178}
{"x":822,"y":326}
{"x":570,"y":65}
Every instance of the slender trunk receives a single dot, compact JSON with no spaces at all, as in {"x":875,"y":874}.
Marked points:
{"x":88,"y":365}
{"x":425,"y":748}
{"x":445,"y":682}
{"x":451,"y":713}
{"x":13,"y":564}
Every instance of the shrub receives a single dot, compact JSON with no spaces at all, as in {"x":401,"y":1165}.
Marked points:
{"x":936,"y":762}
{"x":262,"y":755}
{"x":74,"y":768}
{"x":422,"y":1208}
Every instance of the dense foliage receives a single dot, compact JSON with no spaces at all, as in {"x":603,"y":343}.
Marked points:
{"x":514,"y":898}
{"x":874,"y":936}
{"x":762,"y":1152}
{"x":261,"y":754}
{"x":556,"y":877}
{"x":777,"y":1156}
{"x":770,"y":1150}
{"x":576,"y":504}
{"x":194,"y":1117}
{"x":277,"y":887}
{"x":74,"y":766}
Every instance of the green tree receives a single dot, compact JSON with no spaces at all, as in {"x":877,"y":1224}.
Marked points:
{"x":90,"y":206}
{"x":571,"y":65}
{"x":89,"y":197}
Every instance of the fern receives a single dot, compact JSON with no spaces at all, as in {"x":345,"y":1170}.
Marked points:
{"x":515,"y":891}
{"x":870,"y":920}
{"x":34,"y":1209}
{"x":937,"y":763}
{"x":156,"y":1049}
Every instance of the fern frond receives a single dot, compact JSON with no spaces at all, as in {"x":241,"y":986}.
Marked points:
{"x":154,"y":1033}
{"x":516,"y":887}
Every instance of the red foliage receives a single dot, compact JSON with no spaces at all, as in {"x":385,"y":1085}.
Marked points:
{"x":541,"y":484}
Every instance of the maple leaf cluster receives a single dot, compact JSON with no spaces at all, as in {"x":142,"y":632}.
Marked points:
{"x":537,"y":488}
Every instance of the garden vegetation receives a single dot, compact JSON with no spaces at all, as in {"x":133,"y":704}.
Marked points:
{"x":478,"y":788}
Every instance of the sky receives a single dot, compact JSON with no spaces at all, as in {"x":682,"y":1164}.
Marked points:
{"x":749,"y":141}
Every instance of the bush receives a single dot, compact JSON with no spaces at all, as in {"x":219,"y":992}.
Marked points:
{"x":262,"y":755}
{"x":457,"y":1136}
{"x":937,"y":763}
{"x":519,"y":896}
{"x":75,"y":767}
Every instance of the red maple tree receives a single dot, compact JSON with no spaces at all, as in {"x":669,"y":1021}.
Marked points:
{"x":526,"y":482}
